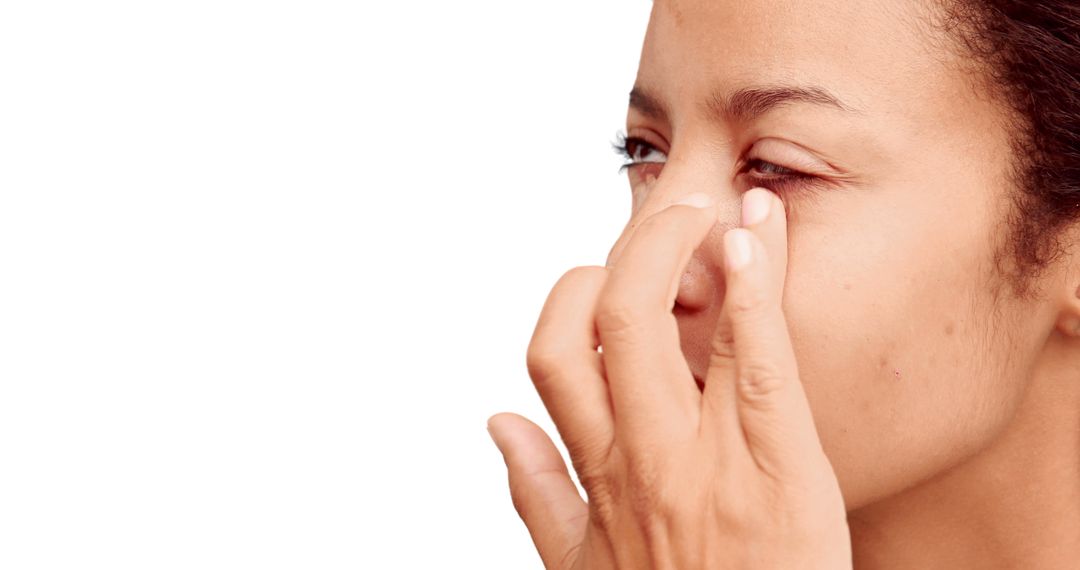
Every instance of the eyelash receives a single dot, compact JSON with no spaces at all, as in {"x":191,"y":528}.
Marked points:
{"x":786,"y":180}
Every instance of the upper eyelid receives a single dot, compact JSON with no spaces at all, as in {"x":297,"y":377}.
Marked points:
{"x":623,"y":141}
{"x":624,"y":148}
{"x":626,"y":140}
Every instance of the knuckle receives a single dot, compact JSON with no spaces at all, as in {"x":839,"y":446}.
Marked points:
{"x":602,"y":515}
{"x":543,"y":360}
{"x":644,"y":228}
{"x":580,"y":275}
{"x":587,"y":452}
{"x":593,"y":480}
{"x":617,"y":314}
{"x":603,"y":493}
{"x":760,"y":380}
{"x":645,"y":504}
{"x":517,"y":498}
{"x":723,"y":344}
{"x":748,"y":303}
{"x":658,"y":222}
{"x":547,"y":350}
{"x":643,"y":486}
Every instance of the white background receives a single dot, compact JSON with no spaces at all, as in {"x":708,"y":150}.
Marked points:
{"x":267,"y":267}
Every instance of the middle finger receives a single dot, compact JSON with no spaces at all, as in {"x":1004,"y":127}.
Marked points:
{"x":654,"y":396}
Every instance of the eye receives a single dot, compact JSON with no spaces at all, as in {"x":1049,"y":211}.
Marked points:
{"x":637,"y":151}
{"x":774,"y":176}
{"x":760,"y":172}
{"x":771,"y":169}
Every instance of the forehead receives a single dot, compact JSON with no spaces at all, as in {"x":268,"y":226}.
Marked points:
{"x":877,"y":55}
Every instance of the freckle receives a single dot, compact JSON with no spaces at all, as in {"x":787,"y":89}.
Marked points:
{"x":949,"y":328}
{"x":677,"y":13}
{"x":882,"y":362}
{"x":896,"y":372}
{"x":847,"y":286}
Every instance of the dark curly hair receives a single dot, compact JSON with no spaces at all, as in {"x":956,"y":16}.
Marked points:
{"x":1027,"y":52}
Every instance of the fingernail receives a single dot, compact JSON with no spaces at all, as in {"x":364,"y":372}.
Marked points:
{"x":697,"y":200}
{"x":737,"y":248}
{"x":755,"y":206}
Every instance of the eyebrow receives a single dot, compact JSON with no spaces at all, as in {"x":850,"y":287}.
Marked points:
{"x":744,"y":104}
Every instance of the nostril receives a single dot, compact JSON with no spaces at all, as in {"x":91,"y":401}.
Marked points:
{"x":695,"y":286}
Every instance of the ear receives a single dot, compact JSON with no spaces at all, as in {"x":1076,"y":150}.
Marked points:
{"x":1068,"y":322}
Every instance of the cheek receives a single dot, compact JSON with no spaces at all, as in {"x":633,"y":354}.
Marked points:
{"x":892,"y":346}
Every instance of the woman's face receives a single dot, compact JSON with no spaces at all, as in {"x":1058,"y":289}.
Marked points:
{"x":910,"y":362}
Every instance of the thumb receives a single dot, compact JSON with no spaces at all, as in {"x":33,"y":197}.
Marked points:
{"x":540,"y":488}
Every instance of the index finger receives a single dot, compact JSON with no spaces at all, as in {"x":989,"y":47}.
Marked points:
{"x":772,"y":405}
{"x":719,"y":392}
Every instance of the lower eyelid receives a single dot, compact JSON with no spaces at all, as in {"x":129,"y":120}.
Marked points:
{"x":753,"y":163}
{"x":643,"y":171}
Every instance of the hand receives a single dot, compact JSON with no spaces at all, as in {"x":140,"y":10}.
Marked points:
{"x":731,"y":476}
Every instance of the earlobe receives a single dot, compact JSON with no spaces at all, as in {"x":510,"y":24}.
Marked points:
{"x":1068,"y":322}
{"x":1069,"y":325}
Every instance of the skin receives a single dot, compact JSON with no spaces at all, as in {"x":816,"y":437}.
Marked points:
{"x":731,"y":476}
{"x":947,"y":408}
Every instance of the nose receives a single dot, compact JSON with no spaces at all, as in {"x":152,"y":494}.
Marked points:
{"x":701,"y":283}
{"x":701,"y":290}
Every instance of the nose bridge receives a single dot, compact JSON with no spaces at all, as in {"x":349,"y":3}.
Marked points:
{"x":699,"y":170}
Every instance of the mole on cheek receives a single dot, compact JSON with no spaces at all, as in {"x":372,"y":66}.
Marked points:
{"x":883,"y":362}
{"x":949,"y":328}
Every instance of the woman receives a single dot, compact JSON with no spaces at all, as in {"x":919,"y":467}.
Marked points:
{"x":871,"y":361}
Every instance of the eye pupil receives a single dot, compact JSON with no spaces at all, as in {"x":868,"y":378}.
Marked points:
{"x":637,"y":151}
{"x":640,"y":151}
